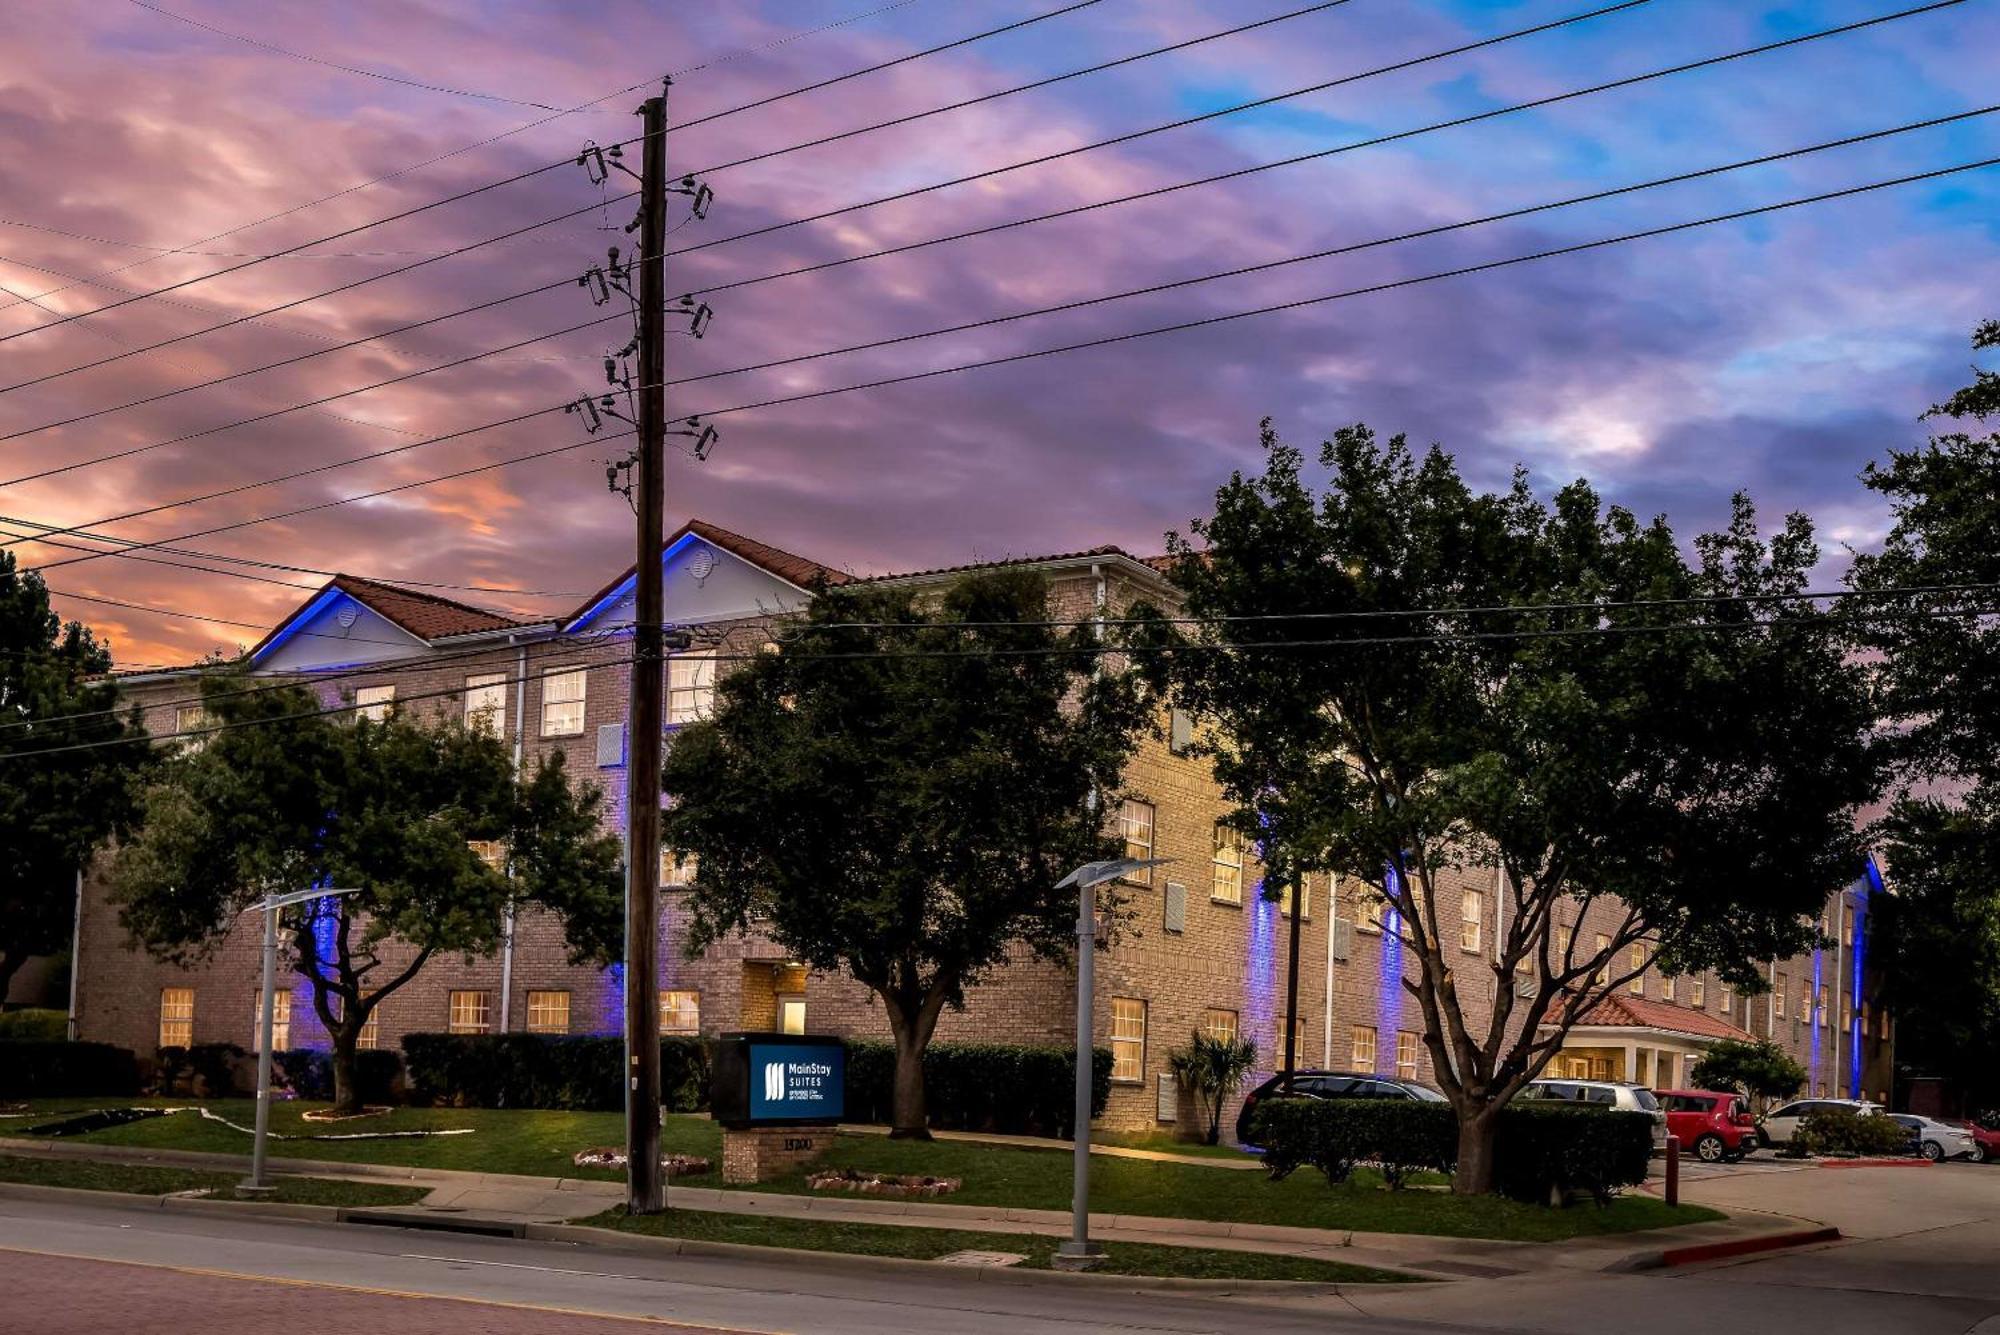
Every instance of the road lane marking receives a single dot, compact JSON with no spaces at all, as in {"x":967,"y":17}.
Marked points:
{"x":206,"y":1273}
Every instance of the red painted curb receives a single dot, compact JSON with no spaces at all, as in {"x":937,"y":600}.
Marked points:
{"x":1876,"y":1163}
{"x":1717,"y":1251}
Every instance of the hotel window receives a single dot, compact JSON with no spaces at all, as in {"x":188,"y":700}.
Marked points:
{"x":1471,"y":920}
{"x":1219,"y":1024}
{"x":1825,"y":1019}
{"x":1698,"y":990}
{"x":467,"y":1013}
{"x":1778,"y":997}
{"x":373,"y":703}
{"x":1635,"y":959}
{"x":1847,"y":1015}
{"x":679,"y":872}
{"x":370,"y":1036}
{"x":176,"y":1017}
{"x":562,"y":702}
{"x":1603,"y":958}
{"x":1373,"y":906}
{"x":191,"y":719}
{"x":1305,"y":898}
{"x":548,"y":1012}
{"x":1406,"y":1055}
{"x":1563,"y":939}
{"x":1128,"y":1039}
{"x":680,"y":1012}
{"x":489,"y":851}
{"x":1667,"y":986}
{"x":1227,"y":887}
{"x":1135,"y":827}
{"x":1361,"y":1047}
{"x":281,"y":1021}
{"x":486,"y":703}
{"x":1723,"y":998}
{"x":690,"y":687}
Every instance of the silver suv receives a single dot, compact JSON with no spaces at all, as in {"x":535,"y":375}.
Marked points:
{"x":1604,"y":1094}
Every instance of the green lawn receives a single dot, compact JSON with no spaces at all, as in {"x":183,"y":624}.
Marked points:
{"x":1122,"y":1258}
{"x":541,"y":1142}
{"x":146,"y":1180}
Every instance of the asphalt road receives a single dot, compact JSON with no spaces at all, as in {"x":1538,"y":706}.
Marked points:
{"x":1922,"y":1258}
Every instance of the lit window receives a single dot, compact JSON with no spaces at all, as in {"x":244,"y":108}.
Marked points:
{"x":1778,"y":997}
{"x":1603,"y":957}
{"x":489,"y":851}
{"x":676,"y":871}
{"x":1228,"y":861}
{"x":1135,"y":827}
{"x":1563,"y":938}
{"x":370,"y":1036}
{"x":191,"y":719}
{"x":486,"y":703}
{"x":1305,"y":897}
{"x":1219,"y":1024}
{"x":1128,"y":1039}
{"x":1667,"y":986}
{"x":1406,"y":1055}
{"x":680,"y":1012}
{"x":1373,"y":906}
{"x":176,"y":1017}
{"x":548,"y":1012}
{"x":468,"y":1013}
{"x":791,"y":1013}
{"x":373,"y":702}
{"x":1361,"y":1047}
{"x":1471,"y":919}
{"x":1723,"y":998}
{"x":562,"y":702}
{"x":1698,"y":990}
{"x":690,"y":687}
{"x":1825,"y":1017}
{"x":281,"y":1021}
{"x":1635,"y":959}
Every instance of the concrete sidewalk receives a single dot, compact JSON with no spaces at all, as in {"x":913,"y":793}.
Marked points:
{"x":503,"y":1200}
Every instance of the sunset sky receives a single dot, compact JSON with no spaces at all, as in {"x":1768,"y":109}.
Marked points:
{"x":1776,"y":354}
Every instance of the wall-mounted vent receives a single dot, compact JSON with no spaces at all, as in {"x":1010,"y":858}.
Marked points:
{"x":610,"y":745}
{"x":1176,"y":907}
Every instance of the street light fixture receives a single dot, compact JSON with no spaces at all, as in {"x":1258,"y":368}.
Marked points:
{"x":257,"y":1181}
{"x":1079,"y":1252}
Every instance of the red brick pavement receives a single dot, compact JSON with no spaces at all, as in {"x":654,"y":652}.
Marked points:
{"x":57,"y":1295}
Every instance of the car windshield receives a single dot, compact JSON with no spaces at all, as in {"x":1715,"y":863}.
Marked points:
{"x":1644,"y":1098}
{"x":1425,"y":1094}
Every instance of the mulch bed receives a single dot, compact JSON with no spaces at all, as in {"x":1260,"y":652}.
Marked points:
{"x":677,"y":1165}
{"x":882,"y":1184}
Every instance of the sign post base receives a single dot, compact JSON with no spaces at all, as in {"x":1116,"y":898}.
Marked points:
{"x":765,"y":1153}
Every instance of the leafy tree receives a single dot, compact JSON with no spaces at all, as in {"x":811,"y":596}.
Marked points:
{"x":1937,"y":674}
{"x":56,"y":808}
{"x":1212,"y":1068}
{"x":1759,"y":1068}
{"x":1692,"y":766}
{"x":896,"y":791}
{"x":278,"y":799}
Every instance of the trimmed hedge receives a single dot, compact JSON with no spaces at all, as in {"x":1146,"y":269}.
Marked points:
{"x":1011,"y":1088}
{"x":33,"y":1070}
{"x":1843,"y":1131}
{"x":1542,"y":1150}
{"x":309,"y":1071}
{"x":33,"y":1026}
{"x":580,"y":1073}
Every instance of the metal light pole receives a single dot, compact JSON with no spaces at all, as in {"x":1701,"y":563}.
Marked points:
{"x":1079,"y":1252}
{"x":266,"y":1021}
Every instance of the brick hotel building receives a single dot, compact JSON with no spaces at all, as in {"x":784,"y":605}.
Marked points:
{"x":1208,"y":951}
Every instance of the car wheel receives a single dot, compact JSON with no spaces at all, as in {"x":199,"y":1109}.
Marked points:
{"x":1710,"y":1149}
{"x":1978,"y":1152}
{"x":1932,"y":1151}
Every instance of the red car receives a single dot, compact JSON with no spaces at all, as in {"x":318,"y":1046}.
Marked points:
{"x":1987,"y":1141}
{"x":1715,"y":1125}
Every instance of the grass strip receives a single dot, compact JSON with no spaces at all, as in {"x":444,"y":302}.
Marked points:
{"x":929,"y":1244}
{"x":151,"y":1180}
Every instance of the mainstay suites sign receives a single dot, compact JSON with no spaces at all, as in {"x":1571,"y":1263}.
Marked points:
{"x":760,"y":1079}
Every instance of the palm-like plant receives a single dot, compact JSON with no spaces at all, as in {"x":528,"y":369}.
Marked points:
{"x":1211,"y":1067}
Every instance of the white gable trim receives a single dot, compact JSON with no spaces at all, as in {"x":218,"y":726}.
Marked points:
{"x":622,"y":590}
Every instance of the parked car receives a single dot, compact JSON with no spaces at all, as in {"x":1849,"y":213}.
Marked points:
{"x":1985,"y":1141}
{"x":1778,"y":1126}
{"x":1333,"y":1085}
{"x":1938,"y":1140}
{"x":1605,"y":1094}
{"x":1714,"y":1125}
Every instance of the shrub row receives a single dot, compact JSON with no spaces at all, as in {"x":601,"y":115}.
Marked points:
{"x":1011,"y":1088}
{"x":1842,"y":1131}
{"x":1542,"y":1150}
{"x":33,"y":1025}
{"x":544,"y":1071}
{"x":36,"y":1069}
{"x":309,"y":1072}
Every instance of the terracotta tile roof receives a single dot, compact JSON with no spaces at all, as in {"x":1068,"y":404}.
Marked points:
{"x":783,"y":564}
{"x":1052,"y":559}
{"x":424,"y":615}
{"x":1623,"y":1010}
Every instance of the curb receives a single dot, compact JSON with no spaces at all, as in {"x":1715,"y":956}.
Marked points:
{"x":1875,"y":1163}
{"x":33,"y":1191}
{"x":1669,"y":1257}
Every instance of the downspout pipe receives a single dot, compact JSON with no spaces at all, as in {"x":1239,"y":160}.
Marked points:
{"x":520,"y":752}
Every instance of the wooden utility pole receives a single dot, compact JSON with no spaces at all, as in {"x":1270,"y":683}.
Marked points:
{"x":645,"y":1184}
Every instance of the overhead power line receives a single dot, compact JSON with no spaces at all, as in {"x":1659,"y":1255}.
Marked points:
{"x":1554,"y":24}
{"x":1826,"y":621}
{"x":309,"y":59}
{"x":1108,"y":340}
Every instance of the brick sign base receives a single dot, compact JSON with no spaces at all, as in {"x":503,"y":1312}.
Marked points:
{"x":762,"y":1154}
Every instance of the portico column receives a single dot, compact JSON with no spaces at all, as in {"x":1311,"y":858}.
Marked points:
{"x":1632,"y":1062}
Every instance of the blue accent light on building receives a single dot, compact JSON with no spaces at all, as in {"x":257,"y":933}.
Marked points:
{"x":1857,"y":1025}
{"x":326,"y":599}
{"x":611,"y":1001}
{"x":618,"y":591}
{"x":1816,"y":1014}
{"x":1389,"y":1001}
{"x":1260,"y":977}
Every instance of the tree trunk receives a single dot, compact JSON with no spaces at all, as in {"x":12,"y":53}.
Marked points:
{"x":1476,"y":1136}
{"x":11,"y":961}
{"x":909,"y":1119}
{"x":346,"y":1088}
